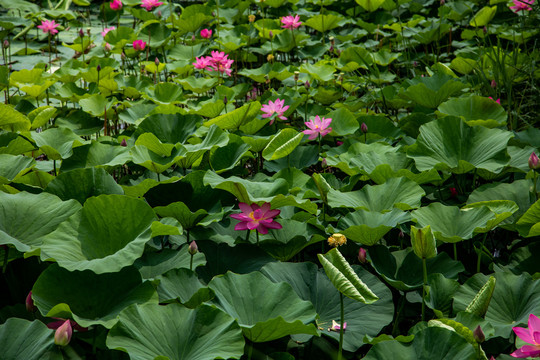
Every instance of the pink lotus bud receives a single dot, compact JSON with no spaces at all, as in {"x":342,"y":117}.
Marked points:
{"x":123,"y":143}
{"x":270,"y":34}
{"x":159,"y":14}
{"x":30,"y":307}
{"x":534,"y":163}
{"x":362,"y":255}
{"x":453,"y":192}
{"x":116,"y":5}
{"x":478,"y":334}
{"x":108,"y":47}
{"x":156,"y":61}
{"x":307,"y":85}
{"x":485,"y":30}
{"x":401,"y":234}
{"x":206,"y":33}
{"x":415,"y":63}
{"x":6,"y":44}
{"x":225,"y":100}
{"x":98,"y":68}
{"x":331,"y":49}
{"x":193,"y":249}
{"x":81,"y":33}
{"x":62,"y":336}
{"x":364,"y":128}
{"x":493,"y":83}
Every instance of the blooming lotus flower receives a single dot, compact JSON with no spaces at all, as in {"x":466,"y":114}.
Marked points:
{"x":62,"y":336}
{"x":318,"y":126}
{"x":115,"y":5}
{"x":139,"y":45}
{"x":498,"y":101}
{"x":522,"y":5}
{"x":206,"y":33}
{"x":150,"y":5}
{"x":291,"y":22}
{"x":106,"y":30}
{"x":337,"y":240}
{"x":255,"y":217}
{"x":531,"y":336}
{"x":49,"y":26}
{"x":275,"y":107}
{"x":337,"y":327}
{"x":203,"y":63}
{"x":220,"y":62}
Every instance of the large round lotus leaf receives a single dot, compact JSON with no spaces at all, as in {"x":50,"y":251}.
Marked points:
{"x":89,"y":182}
{"x":87,"y":297}
{"x":401,"y":193}
{"x":450,"y":224}
{"x":57,"y":143}
{"x":368,"y":227}
{"x":264,"y":310}
{"x":430,"y":343}
{"x":529,"y":224}
{"x":96,"y":155}
{"x":25,"y":218}
{"x":153,"y":264}
{"x":431,"y":91}
{"x":502,"y":209}
{"x":403,"y":269}
{"x":13,"y":167}
{"x":183,"y":285}
{"x":28,"y":340}
{"x":169,"y":128}
{"x":514,"y":298}
{"x":107,"y":234}
{"x":450,"y":144}
{"x":313,"y":285}
{"x":475,"y":110}
{"x":176,"y":333}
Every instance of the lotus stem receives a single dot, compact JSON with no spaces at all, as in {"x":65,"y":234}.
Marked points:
{"x":341,"y":323}
{"x":455,"y":251}
{"x":534,"y":185}
{"x":6,"y":258}
{"x":424,"y":270}
{"x":480,"y":253}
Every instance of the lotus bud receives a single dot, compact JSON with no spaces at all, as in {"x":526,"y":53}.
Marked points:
{"x":98,"y":68}
{"x":270,"y":58}
{"x":423,"y":242}
{"x":123,"y":143}
{"x":479,"y":335}
{"x":401,"y":234}
{"x":6,"y":44}
{"x":364,"y":128}
{"x":159,"y":14}
{"x":108,"y":47}
{"x":534,"y":163}
{"x":193,"y":249}
{"x":123,"y":55}
{"x":337,"y":240}
{"x":62,"y":336}
{"x":225,"y":100}
{"x":493,"y":84}
{"x":307,"y":85}
{"x":30,"y":307}
{"x":270,"y":34}
{"x":156,"y":61}
{"x":485,"y":30}
{"x":331,"y":49}
{"x":362,"y":255}
{"x":453,"y":192}
{"x":414,"y":63}
{"x":251,"y":18}
{"x":81,"y":33}
{"x":442,"y":2}
{"x":324,"y":164}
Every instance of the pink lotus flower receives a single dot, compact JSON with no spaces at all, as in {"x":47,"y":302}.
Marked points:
{"x":115,"y":5}
{"x":219,"y":61}
{"x":62,"y":336}
{"x":206,"y":33}
{"x":275,"y":107}
{"x":203,"y":62}
{"x":318,"y":126}
{"x":106,"y":30}
{"x":531,"y":336}
{"x":255,"y":217}
{"x":49,"y":26}
{"x":139,"y":45}
{"x":291,"y":22}
{"x":149,"y":5}
{"x":522,"y":5}
{"x":498,"y":101}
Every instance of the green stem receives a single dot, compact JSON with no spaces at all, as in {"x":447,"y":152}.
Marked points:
{"x":54,"y":167}
{"x":534,"y":184}
{"x":191,"y":263}
{"x":480,"y":253}
{"x":247,"y":236}
{"x":341,"y":331}
{"x":424,"y":270}
{"x":455,"y":251}
{"x":6,"y":258}
{"x":250,"y":349}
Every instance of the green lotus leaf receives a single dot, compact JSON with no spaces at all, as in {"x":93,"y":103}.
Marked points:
{"x":403,"y":269}
{"x":368,"y":227}
{"x":257,"y":143}
{"x":96,"y":104}
{"x":141,"y":155}
{"x":400,"y":193}
{"x":96,"y":155}
{"x":484,"y":16}
{"x":215,"y":138}
{"x":344,"y":278}
{"x":88,"y":297}
{"x":514,"y":298}
{"x":301,"y":158}
{"x":440,"y":295}
{"x":184,"y":286}
{"x":181,"y":212}
{"x":157,"y":33}
{"x":343,"y":122}
{"x":475,"y":110}
{"x":29,"y":340}
{"x":319,"y":72}
{"x":450,"y":224}
{"x":198,"y":85}
{"x":273,"y":71}
{"x":35,"y":178}
{"x":323,"y":23}
{"x":152,"y":143}
{"x":234,"y":119}
{"x":449,"y":144}
{"x":281,"y":313}
{"x":503,"y":209}
{"x":165,"y":93}
{"x":370,"y":5}
{"x":313,"y":285}
{"x":227,"y":157}
{"x":153,"y":264}
{"x":462,"y":330}
{"x":282,"y":144}
{"x":148,"y":332}
{"x":12,"y":120}
{"x":381,"y":125}
{"x":431,"y":91}
{"x":25,"y":218}
{"x":40,"y":116}
{"x":529,"y":223}
{"x":57,"y":143}
{"x":166,"y":226}
{"x":90,"y":182}
{"x":169,"y":128}
{"x":107,"y":234}
{"x":13,"y":167}
{"x":429,"y":343}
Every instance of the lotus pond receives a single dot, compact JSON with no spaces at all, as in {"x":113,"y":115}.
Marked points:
{"x":273,"y":179}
